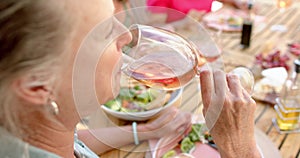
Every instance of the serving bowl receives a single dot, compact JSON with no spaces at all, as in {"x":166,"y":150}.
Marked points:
{"x":160,"y":103}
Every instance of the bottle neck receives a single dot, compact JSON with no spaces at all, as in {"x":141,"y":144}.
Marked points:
{"x":289,"y":85}
{"x":291,"y":89}
{"x":294,"y":77}
{"x":250,"y":13}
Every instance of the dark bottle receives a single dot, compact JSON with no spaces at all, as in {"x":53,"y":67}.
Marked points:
{"x":247,"y":29}
{"x":246,"y":33}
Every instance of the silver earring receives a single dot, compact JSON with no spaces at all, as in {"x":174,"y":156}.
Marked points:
{"x":54,"y":107}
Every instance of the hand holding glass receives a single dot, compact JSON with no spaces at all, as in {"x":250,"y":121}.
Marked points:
{"x":165,"y":60}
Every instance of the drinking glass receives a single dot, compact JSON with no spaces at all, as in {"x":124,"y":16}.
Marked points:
{"x":282,"y":5}
{"x":166,"y":60}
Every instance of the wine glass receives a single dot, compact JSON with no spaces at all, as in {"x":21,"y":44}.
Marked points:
{"x":282,"y":5}
{"x":166,"y":60}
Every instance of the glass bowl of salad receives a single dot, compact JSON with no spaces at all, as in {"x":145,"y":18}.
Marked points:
{"x":140,"y":102}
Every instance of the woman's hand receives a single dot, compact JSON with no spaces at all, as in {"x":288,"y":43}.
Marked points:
{"x":229,"y":114}
{"x":170,"y":121}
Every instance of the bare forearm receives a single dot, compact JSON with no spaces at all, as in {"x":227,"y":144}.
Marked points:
{"x":104,"y":139}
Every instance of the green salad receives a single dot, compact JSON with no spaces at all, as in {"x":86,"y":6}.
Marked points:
{"x":198,"y":133}
{"x":133,"y":99}
{"x":188,"y":143}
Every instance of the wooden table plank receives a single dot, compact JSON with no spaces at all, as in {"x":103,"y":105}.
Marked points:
{"x":139,"y":151}
{"x":265,"y":121}
{"x":194,"y":97}
{"x":291,"y":146}
{"x":275,"y":137}
{"x":124,"y":151}
{"x":110,"y":154}
{"x":190,"y":91}
{"x":259,"y":112}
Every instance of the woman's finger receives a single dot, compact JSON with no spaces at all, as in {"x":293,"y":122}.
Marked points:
{"x":207,"y":87}
{"x":234,"y":85}
{"x":165,"y":117}
{"x":249,"y":99}
{"x":216,"y":97}
{"x":220,"y":83}
{"x":182,"y":119}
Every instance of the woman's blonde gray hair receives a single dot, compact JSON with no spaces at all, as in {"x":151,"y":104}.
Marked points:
{"x":33,"y":34}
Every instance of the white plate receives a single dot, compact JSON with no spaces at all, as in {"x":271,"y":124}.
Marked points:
{"x":145,"y":115}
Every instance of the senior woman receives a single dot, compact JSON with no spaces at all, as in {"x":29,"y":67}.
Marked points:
{"x":38,"y":115}
{"x":39,"y":42}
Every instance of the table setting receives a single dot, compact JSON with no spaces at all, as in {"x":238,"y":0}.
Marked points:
{"x":270,"y":70}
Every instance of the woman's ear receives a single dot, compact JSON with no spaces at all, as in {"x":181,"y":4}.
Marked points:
{"x":32,"y":89}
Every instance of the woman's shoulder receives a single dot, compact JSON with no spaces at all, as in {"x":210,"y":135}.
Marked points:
{"x":11,"y":146}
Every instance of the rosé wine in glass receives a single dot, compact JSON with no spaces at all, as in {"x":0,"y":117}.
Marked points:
{"x":165,"y":60}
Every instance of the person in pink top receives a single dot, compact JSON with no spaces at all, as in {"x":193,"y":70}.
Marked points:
{"x":186,"y":7}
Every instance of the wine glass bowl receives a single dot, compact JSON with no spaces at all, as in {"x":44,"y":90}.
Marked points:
{"x":282,"y":5}
{"x":246,"y":78}
{"x":165,"y":60}
{"x":160,"y":58}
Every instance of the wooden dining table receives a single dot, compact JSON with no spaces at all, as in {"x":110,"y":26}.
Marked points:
{"x":233,"y":56}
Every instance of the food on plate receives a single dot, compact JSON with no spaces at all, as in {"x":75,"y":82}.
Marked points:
{"x":273,"y":59}
{"x":264,"y":87}
{"x":225,"y":19}
{"x":184,"y":155}
{"x":196,"y":138}
{"x":226,"y":22}
{"x":235,"y":21}
{"x":294,"y":48}
{"x":136,"y":99}
{"x":230,"y":20}
{"x":266,"y":92}
{"x":170,"y":154}
{"x":275,"y":63}
{"x":268,"y":88}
